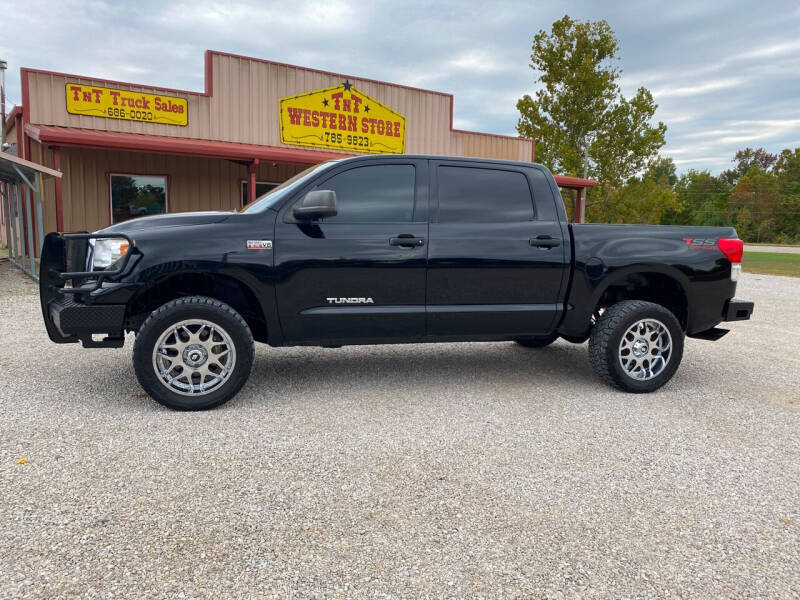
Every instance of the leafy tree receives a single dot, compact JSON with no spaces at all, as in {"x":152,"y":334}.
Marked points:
{"x":662,"y":168}
{"x":787,"y":169}
{"x":745,"y":160}
{"x":702,"y":200}
{"x":757,"y":191}
{"x":641,"y":200}
{"x":581,"y":122}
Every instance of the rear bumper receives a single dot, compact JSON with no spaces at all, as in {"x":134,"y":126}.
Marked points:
{"x":737,"y":310}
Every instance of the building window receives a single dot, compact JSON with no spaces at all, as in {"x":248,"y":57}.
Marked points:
{"x":137,"y":196}
{"x":262,"y":187}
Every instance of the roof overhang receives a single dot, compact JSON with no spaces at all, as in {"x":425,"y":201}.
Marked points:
{"x":14,"y":169}
{"x":573,"y":183}
{"x":91,"y":138}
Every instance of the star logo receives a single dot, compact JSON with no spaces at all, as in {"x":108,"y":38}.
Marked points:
{"x":347,"y":85}
{"x":366,"y":108}
{"x":325,"y":102}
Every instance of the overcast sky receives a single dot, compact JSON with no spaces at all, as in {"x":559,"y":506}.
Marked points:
{"x":726,"y":74}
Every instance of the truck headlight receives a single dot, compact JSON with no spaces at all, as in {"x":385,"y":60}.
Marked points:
{"x":107,"y":251}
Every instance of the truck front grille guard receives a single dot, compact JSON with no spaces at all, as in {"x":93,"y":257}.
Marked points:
{"x":97,"y":276}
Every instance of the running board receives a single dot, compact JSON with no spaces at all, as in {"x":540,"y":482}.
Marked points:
{"x":712,"y":335}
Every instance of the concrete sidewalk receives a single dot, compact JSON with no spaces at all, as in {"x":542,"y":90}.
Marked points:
{"x":779,"y":249}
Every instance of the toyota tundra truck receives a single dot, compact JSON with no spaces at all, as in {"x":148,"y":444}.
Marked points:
{"x":388,"y":250}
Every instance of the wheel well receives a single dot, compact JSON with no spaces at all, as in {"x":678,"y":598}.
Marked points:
{"x":226,"y":289}
{"x":652,"y":287}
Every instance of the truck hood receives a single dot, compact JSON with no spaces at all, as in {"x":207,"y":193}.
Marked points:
{"x":173,"y":220}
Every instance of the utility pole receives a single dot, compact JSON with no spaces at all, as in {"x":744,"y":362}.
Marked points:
{"x":3,"y":67}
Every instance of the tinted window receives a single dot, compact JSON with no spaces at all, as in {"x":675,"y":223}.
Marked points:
{"x":470,"y":195}
{"x":374,"y":194}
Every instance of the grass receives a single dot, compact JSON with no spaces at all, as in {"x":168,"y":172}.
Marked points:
{"x":771,"y":263}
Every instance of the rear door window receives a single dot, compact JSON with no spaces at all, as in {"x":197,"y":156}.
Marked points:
{"x":478,"y":195}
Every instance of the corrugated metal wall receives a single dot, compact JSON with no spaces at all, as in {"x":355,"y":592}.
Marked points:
{"x":244,"y":108}
{"x":192,"y":183}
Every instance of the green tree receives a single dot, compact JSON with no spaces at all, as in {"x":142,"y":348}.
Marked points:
{"x":757,"y":191}
{"x":702,"y":200}
{"x":581,"y":122}
{"x":746,"y":159}
{"x":641,"y":200}
{"x":787,"y":169}
{"x":662,"y":168}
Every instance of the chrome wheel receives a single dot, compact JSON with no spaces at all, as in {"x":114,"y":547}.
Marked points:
{"x":194,"y":357}
{"x":645,"y":349}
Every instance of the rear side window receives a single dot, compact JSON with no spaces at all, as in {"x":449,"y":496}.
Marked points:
{"x":373,"y":194}
{"x":471,"y":195}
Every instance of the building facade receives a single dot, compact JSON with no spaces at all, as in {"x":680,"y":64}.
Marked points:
{"x":128,"y":150}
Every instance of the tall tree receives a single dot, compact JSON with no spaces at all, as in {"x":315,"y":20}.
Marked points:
{"x":579,"y":118}
{"x":746,"y":159}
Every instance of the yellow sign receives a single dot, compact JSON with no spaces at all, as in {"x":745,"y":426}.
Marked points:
{"x":128,"y":105}
{"x":343,"y":118}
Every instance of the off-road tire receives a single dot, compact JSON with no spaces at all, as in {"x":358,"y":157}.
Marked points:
{"x":604,"y":344}
{"x":175,"y":311}
{"x":538,"y":341}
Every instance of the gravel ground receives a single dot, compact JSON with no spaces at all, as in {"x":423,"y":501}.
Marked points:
{"x":459,"y":470}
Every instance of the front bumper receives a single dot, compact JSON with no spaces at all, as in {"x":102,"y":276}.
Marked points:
{"x":68,"y":316}
{"x":78,"y":321}
{"x":737,"y":310}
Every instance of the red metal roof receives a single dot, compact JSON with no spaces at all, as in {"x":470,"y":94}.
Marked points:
{"x":575,"y":183}
{"x":91,"y":138}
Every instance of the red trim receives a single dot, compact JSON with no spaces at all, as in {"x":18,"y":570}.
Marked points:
{"x":251,"y":189}
{"x":12,"y":117}
{"x":533,"y":150}
{"x":209,"y":85}
{"x":58,"y":191}
{"x":89,"y":138}
{"x":574,"y":183}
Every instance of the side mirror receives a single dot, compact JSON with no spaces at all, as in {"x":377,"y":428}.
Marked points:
{"x":317,"y":204}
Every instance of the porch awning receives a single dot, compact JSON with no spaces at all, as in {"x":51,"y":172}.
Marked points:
{"x":91,"y":138}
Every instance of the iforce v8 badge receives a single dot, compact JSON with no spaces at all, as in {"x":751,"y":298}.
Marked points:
{"x":259,"y":244}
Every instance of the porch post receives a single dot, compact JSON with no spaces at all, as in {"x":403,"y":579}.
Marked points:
{"x":251,"y":184}
{"x":57,"y":183}
{"x":580,"y":206}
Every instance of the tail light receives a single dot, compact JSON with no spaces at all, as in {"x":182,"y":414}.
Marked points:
{"x":733,"y":249}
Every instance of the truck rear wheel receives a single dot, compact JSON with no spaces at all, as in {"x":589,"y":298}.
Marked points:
{"x":636,"y":346}
{"x":193,"y":353}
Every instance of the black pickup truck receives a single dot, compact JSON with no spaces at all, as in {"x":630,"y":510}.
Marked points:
{"x":388,"y":249}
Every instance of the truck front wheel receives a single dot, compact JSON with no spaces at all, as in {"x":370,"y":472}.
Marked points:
{"x":193,"y":353}
{"x":636,"y":346}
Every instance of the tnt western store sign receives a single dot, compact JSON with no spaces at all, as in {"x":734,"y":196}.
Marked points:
{"x":129,"y":150}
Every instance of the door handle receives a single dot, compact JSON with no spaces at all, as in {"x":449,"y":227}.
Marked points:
{"x":544,"y":241}
{"x":407,"y":241}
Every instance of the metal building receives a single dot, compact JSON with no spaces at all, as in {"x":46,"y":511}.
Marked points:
{"x":128,"y":150}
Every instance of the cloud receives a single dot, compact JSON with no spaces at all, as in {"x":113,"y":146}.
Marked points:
{"x":725,"y":74}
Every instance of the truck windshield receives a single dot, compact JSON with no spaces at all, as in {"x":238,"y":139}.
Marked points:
{"x":277,"y":194}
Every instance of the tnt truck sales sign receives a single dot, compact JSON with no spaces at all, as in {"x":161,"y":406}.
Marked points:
{"x":128,"y":105}
{"x":343,"y":118}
